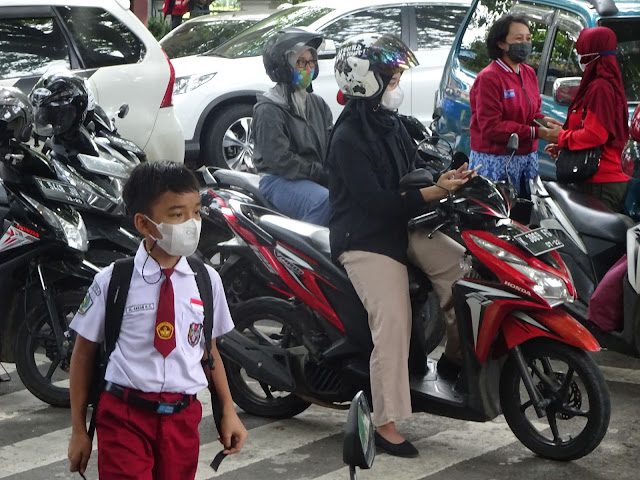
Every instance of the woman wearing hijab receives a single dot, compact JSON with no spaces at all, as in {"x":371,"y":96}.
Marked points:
{"x":505,"y":99}
{"x":291,"y":127}
{"x":369,"y":152}
{"x":598,"y":116}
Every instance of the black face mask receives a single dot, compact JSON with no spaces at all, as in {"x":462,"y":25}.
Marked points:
{"x":519,"y":52}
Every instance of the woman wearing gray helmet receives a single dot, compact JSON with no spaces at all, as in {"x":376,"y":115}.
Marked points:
{"x":291,"y":127}
{"x":370,"y":151}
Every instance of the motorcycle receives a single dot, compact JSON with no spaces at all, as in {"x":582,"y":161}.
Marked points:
{"x":522,"y":354}
{"x":43,"y":273}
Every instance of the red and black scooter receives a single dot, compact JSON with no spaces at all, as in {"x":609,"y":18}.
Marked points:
{"x":522,"y":354}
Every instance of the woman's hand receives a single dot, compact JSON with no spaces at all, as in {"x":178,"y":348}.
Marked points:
{"x":550,"y":133}
{"x":552,"y":121}
{"x":454,"y":179}
{"x":552,"y":150}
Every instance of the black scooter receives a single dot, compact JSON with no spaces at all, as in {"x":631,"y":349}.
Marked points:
{"x":43,"y":274}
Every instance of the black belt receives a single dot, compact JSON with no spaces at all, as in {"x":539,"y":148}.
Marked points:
{"x":131,"y":397}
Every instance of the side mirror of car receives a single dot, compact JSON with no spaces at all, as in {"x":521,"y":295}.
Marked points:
{"x":327,"y":50}
{"x":419,"y":178}
{"x":358,"y":448}
{"x":635,"y":125}
{"x":565,"y":90}
{"x":437,"y":114}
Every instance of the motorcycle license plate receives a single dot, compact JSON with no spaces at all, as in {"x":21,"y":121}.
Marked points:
{"x":539,"y":241}
{"x":59,"y":192}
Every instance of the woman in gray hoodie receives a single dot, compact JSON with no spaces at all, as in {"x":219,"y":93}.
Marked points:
{"x":291,"y":128}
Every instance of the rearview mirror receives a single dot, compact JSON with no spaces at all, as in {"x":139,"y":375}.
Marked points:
{"x":359,"y":448}
{"x":513,"y":144}
{"x":565,"y":90}
{"x":123,"y":111}
{"x":419,"y":178}
{"x":327,"y":50}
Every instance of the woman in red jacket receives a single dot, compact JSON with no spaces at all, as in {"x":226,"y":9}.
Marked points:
{"x":505,"y":99}
{"x":599,"y":116}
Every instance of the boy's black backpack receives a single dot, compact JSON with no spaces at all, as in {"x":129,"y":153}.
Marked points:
{"x":116,"y":300}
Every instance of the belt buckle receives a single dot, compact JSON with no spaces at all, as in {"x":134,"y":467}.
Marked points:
{"x":166,"y":408}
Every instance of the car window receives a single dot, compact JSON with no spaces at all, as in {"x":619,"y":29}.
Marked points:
{"x":628,"y":33}
{"x":473,"y":53}
{"x":28,"y":46}
{"x":200,"y":37}
{"x":101,"y":39}
{"x":437,"y":25}
{"x":564,"y":58}
{"x":379,"y":20}
{"x":251,"y":42}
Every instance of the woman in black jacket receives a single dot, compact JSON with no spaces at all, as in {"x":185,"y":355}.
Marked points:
{"x":370,"y":151}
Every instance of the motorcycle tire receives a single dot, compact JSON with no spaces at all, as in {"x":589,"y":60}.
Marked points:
{"x":243,"y":389}
{"x":36,"y":334}
{"x":565,"y":393}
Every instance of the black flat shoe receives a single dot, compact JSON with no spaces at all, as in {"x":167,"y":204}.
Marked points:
{"x":404,"y":449}
{"x":448,"y":369}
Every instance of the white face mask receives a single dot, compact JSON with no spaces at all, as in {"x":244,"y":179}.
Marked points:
{"x":179,"y":240}
{"x":583,"y":66}
{"x":392,"y":99}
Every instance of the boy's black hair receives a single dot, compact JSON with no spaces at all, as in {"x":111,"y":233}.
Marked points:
{"x":150,"y":180}
{"x":498,"y":33}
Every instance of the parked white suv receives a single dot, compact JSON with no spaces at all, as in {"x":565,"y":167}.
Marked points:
{"x":104,"y":42}
{"x":214,"y":93}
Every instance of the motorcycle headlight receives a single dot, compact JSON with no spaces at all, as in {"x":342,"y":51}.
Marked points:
{"x":191,"y":82}
{"x":548,"y":286}
{"x":71,"y":225}
{"x":91,"y":193}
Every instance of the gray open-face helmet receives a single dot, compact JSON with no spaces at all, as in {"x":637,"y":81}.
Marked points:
{"x":16,"y":112}
{"x":274,"y":55}
{"x":365,"y":63}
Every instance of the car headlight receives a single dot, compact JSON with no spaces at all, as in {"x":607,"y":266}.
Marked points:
{"x":548,"y":286}
{"x":191,"y":82}
{"x":72,"y":228}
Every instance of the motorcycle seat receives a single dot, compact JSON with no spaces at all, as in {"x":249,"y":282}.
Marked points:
{"x":246,"y":182}
{"x":588,"y":214}
{"x":288,"y":228}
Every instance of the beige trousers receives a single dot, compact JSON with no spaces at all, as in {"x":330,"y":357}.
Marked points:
{"x":383,"y":287}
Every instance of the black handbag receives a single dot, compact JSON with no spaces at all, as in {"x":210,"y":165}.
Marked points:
{"x":576,"y":166}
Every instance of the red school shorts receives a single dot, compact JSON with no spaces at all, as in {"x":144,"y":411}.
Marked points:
{"x":136,"y":444}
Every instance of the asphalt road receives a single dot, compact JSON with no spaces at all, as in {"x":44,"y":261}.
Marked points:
{"x":34,"y":436}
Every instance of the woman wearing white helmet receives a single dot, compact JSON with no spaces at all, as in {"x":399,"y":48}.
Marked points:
{"x":369,"y":152}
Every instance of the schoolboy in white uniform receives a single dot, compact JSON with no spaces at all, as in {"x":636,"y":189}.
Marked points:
{"x":160,"y":347}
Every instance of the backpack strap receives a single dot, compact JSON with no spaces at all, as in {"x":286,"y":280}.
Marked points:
{"x":203,"y":280}
{"x":117,"y":294}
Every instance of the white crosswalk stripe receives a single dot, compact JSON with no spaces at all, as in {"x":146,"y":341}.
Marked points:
{"x":445,"y":443}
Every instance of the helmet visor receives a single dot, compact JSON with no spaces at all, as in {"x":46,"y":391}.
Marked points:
{"x":390,"y":55}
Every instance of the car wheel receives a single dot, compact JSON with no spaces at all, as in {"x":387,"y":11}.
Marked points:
{"x":227,"y":141}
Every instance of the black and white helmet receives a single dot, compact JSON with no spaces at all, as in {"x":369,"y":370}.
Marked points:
{"x":365,"y":61}
{"x":274,"y":55}
{"x":16,"y":112}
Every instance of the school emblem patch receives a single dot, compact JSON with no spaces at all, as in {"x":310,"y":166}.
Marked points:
{"x":164,"y":331}
{"x":195,"y":333}
{"x":86,"y":304}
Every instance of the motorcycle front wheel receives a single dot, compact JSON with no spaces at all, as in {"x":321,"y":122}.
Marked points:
{"x":264,"y":322}
{"x":577,"y":405}
{"x":43,"y":369}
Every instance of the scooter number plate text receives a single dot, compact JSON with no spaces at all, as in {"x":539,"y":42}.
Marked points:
{"x":539,"y":241}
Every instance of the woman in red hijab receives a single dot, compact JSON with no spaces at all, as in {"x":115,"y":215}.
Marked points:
{"x":601,"y":96}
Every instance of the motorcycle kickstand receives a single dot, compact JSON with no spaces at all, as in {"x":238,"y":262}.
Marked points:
{"x":53,"y":312}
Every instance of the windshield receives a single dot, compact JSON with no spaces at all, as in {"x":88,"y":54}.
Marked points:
{"x":251,"y":42}
{"x":628,"y":34}
{"x":200,"y":37}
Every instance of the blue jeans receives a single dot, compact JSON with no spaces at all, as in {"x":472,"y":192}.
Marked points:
{"x":300,"y":199}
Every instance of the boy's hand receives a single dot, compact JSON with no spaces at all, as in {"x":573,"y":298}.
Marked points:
{"x":232,"y":433}
{"x":79,"y":451}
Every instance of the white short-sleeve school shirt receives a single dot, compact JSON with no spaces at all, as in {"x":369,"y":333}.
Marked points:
{"x":135,"y":363}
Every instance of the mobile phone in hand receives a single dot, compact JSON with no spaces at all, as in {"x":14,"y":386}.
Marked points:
{"x":541,"y":122}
